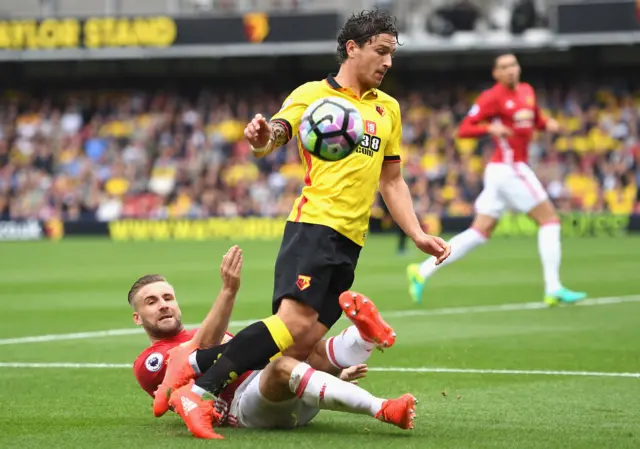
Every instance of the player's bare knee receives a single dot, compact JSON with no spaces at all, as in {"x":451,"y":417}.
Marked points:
{"x":282,"y":367}
{"x":298,"y":317}
{"x":304,"y":346}
{"x":319,"y":359}
{"x":298,"y":352}
{"x":544,"y":213}
{"x":274,"y":380}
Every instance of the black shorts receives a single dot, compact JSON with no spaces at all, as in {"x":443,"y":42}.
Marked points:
{"x":314,"y":266}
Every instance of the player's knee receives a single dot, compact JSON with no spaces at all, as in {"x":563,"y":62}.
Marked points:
{"x":275,"y":379}
{"x":550,"y":220}
{"x":304,"y":346}
{"x":282,"y":367}
{"x":544,"y":214}
{"x":300,"y":351}
{"x":299,"y":318}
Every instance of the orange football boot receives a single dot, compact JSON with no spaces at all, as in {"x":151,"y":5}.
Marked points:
{"x":400,"y":412}
{"x":179,"y":372}
{"x":196,"y":412}
{"x":365,"y":316}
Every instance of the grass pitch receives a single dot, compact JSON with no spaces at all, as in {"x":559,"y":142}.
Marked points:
{"x":519,"y":376}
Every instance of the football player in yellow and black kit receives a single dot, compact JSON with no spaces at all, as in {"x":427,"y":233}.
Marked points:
{"x":328,"y":223}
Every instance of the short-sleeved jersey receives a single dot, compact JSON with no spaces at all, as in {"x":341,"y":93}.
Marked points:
{"x":339,"y":194}
{"x":516,"y":109}
{"x":151,"y":365}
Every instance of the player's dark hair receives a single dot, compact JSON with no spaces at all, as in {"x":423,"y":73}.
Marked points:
{"x":362,"y":27}
{"x":141,"y":282}
{"x":500,"y":55}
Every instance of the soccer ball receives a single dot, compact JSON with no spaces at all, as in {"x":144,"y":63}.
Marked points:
{"x":331,"y":128}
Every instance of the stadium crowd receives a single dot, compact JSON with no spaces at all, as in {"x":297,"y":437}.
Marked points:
{"x":104,"y":156}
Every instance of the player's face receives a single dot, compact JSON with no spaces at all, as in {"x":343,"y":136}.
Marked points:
{"x":507,"y":71}
{"x":157,"y":310}
{"x":374,"y":59}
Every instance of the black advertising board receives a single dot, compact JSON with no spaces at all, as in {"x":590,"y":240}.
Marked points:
{"x":258,"y":27}
{"x":603,"y":16}
{"x":164,"y":31}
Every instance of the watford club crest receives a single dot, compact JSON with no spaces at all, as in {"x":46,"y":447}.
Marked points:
{"x":256,"y":27}
{"x":303,"y":282}
{"x":54,"y":229}
{"x":380,"y":110}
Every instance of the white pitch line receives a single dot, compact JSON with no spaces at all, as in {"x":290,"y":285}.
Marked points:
{"x":96,"y":334}
{"x":391,"y":314}
{"x":391,"y":369}
{"x":503,"y":371}
{"x":64,"y":365}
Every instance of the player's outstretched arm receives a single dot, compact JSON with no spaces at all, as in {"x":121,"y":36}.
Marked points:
{"x":267,"y":136}
{"x":264,"y":136}
{"x":397,"y":197}
{"x":212,"y":331}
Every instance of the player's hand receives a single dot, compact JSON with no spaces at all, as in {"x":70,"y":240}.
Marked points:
{"x":552,"y":126}
{"x":353,"y":373}
{"x":434,"y":246}
{"x":230,"y":269}
{"x":499,"y":130}
{"x":258,"y":131}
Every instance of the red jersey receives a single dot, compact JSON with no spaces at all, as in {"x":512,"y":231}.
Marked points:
{"x":151,"y":365}
{"x":516,"y":109}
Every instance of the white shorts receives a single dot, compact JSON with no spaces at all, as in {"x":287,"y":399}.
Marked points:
{"x":250,"y":409}
{"x":509,"y":186}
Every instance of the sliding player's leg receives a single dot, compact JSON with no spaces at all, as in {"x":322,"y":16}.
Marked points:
{"x":187,"y":362}
{"x":334,"y":354}
{"x":304,"y":271}
{"x":351,"y":347}
{"x":289,"y":393}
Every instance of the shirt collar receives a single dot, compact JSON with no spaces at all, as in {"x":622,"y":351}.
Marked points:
{"x":331,"y":80}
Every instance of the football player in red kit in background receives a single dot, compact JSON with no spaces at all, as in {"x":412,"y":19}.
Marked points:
{"x":509,"y":113}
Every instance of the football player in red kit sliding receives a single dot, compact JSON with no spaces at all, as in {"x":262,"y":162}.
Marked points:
{"x":509,"y":113}
{"x":286,"y":393}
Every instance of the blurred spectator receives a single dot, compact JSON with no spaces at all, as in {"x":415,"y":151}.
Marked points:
{"x":161,"y":155}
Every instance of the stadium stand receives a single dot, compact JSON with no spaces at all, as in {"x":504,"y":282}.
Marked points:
{"x":157,"y":154}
